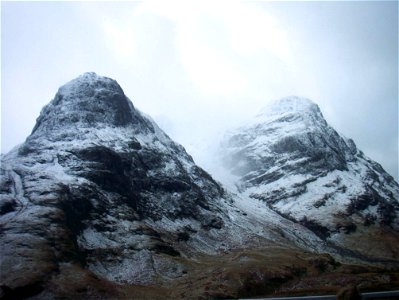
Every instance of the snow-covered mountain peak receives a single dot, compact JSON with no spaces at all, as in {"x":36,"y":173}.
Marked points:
{"x":87,"y":83}
{"x":87,"y":101}
{"x":99,"y":197}
{"x":293,"y":160}
{"x":291,"y":114}
{"x":290,"y":104}
{"x":111,"y":181}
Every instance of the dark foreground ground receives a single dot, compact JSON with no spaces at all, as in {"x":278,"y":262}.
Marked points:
{"x":271,"y":272}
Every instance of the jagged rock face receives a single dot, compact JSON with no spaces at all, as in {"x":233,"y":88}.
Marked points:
{"x":291,"y":133}
{"x":99,"y":199}
{"x":99,"y":192}
{"x":100,"y":185}
{"x":87,"y":101}
{"x":290,"y":158}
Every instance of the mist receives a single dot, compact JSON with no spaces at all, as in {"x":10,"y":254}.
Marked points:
{"x":199,"y":69}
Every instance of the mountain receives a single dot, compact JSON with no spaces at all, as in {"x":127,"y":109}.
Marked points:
{"x":99,"y":203}
{"x":99,"y":187}
{"x":293,"y":161}
{"x":97,"y":183}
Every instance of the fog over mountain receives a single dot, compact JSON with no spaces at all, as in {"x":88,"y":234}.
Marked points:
{"x":100,"y":203}
{"x":201,"y":68}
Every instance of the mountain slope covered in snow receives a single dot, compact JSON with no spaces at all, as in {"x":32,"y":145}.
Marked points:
{"x":99,"y":202}
{"x":98,"y":185}
{"x":289,"y":158}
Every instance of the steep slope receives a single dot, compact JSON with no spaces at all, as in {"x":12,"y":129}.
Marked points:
{"x":292,"y":160}
{"x":98,"y":191}
{"x":100,"y":203}
{"x":97,"y":184}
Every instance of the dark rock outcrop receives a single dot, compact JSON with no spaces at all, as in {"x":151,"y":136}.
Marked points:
{"x":98,"y":185}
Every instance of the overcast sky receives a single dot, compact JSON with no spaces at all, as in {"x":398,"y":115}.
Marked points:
{"x":199,"y":68}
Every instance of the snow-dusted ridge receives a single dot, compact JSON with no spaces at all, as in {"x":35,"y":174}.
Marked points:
{"x":299,"y":166}
{"x":102,"y":182}
{"x":100,"y":186}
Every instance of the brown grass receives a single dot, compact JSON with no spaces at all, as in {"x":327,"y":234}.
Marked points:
{"x":274,"y":271}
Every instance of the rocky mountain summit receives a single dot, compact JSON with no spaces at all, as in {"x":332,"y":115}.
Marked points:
{"x":100,"y":187}
{"x":100,"y":203}
{"x":292,"y":160}
{"x":98,"y":183}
